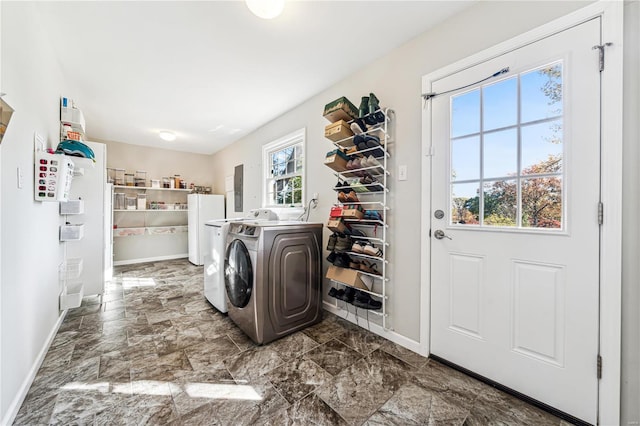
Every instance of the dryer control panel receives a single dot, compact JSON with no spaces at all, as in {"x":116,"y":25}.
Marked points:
{"x":244,"y":229}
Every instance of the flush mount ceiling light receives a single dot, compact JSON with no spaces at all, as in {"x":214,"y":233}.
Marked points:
{"x":265,"y":9}
{"x":167,"y":135}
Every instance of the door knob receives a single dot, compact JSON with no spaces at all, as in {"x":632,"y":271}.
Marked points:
{"x":439,"y":234}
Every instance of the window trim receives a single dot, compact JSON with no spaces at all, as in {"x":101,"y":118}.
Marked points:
{"x":293,"y":138}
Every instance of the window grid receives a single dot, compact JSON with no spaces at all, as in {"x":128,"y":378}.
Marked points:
{"x":519,"y":177}
{"x":284,"y":171}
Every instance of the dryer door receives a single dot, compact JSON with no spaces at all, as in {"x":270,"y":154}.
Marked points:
{"x":238,"y":274}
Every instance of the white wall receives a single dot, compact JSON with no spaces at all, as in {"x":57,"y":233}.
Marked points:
{"x":396,"y":80}
{"x":30,"y":248}
{"x":630,"y":386}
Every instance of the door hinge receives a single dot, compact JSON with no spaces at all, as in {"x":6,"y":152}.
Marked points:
{"x":600,"y":213}
{"x":600,"y":48}
{"x":599,"y":367}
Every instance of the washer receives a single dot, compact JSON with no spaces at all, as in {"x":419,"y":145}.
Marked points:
{"x":273,"y":277}
{"x":216,"y":236}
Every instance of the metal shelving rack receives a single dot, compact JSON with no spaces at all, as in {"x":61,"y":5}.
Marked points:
{"x":375,"y":200}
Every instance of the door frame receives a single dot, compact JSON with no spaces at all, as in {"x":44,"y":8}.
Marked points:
{"x":610,"y":315}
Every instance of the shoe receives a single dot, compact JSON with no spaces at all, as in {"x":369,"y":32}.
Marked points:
{"x":343,"y":243}
{"x":369,"y":267}
{"x":363,"y":300}
{"x":371,"y":161}
{"x":338,"y":294}
{"x":364,"y":107}
{"x":358,"y":126}
{"x":372,"y":215}
{"x":374,"y":109}
{"x":357,"y":247}
{"x":372,"y":106}
{"x":349,"y":197}
{"x":371,"y":250}
{"x":367,"y":281}
{"x":331,"y":244}
{"x":372,"y":141}
{"x":342,"y":260}
{"x":360,"y":142}
{"x":332,"y":257}
{"x":348,"y":295}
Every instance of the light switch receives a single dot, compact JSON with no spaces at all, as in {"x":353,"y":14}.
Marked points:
{"x":402,"y":172}
{"x":20,"y":178}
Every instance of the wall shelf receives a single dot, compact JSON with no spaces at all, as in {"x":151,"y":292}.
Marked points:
{"x":151,"y":188}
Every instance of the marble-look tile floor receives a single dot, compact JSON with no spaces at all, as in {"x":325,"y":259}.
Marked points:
{"x":156,"y":352}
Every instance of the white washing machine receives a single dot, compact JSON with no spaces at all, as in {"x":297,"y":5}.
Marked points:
{"x":216,"y":236}
{"x":273,"y":277}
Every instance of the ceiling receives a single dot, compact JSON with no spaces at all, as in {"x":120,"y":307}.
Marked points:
{"x":211,"y":71}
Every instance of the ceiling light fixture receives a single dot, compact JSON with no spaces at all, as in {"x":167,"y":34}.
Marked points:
{"x":266,"y":9}
{"x":167,"y":135}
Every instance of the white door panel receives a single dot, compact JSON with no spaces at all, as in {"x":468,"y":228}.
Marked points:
{"x":514,"y":285}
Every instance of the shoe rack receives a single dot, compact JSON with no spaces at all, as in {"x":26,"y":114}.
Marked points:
{"x":365,"y":214}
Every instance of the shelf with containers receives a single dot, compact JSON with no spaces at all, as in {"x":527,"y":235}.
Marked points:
{"x":360,"y":164}
{"x":149,"y":222}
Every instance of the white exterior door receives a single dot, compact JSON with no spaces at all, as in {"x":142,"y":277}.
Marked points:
{"x":514,"y":221}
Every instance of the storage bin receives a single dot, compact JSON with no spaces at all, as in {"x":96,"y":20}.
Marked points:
{"x":128,"y":179}
{"x":71,"y":296}
{"x":127,"y":232}
{"x":340,"y":109}
{"x":140,"y":178}
{"x":70,"y":232}
{"x":119,"y":179}
{"x":70,"y":268}
{"x":338,"y":131}
{"x":72,"y":207}
{"x":155,"y":183}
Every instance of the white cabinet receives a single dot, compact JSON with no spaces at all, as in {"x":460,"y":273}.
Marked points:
{"x":156,"y":232}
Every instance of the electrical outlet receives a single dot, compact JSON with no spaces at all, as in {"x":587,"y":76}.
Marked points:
{"x":315,"y":196}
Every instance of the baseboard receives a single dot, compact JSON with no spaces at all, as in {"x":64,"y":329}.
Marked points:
{"x":399,"y":339}
{"x":150,"y":259}
{"x":15,"y":405}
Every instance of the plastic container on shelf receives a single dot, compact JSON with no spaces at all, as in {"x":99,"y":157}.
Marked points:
{"x":155,"y":183}
{"x":118,"y":200}
{"x":140,"y":178}
{"x":166,"y":182}
{"x":176,"y":181}
{"x":131,"y":203}
{"x":142,"y":201}
{"x":129,"y":179}
{"x":119,"y":177}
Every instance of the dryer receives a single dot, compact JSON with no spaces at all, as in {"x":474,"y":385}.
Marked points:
{"x":273,"y":277}
{"x":216,"y":245}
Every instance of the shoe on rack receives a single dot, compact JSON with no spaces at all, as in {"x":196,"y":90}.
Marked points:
{"x":367,"y":281}
{"x":358,"y":247}
{"x":358,"y":126}
{"x":334,"y":292}
{"x":364,"y":107}
{"x":348,"y":295}
{"x":343,"y":243}
{"x":372,"y":250}
{"x":332,"y":257}
{"x":351,"y":197}
{"x":342,"y":260}
{"x":365,"y":301}
{"x":371,"y":161}
{"x":331,"y":244}
{"x":374,"y":109}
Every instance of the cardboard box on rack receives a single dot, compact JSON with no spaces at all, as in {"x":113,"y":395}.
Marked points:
{"x":336,"y":160}
{"x":338,"y":131}
{"x":337,"y":225}
{"x":352,"y":213}
{"x":346,"y":276}
{"x":340,"y":109}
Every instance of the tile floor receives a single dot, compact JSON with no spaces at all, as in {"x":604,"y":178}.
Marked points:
{"x":155,"y":352}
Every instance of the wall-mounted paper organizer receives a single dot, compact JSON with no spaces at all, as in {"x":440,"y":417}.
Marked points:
{"x":53,"y":175}
{"x":72,"y":207}
{"x":70,"y":269}
{"x":71,"y":232}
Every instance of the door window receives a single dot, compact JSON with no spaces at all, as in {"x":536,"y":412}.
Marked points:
{"x":506,"y":152}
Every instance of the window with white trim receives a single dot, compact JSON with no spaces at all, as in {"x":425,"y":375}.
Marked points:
{"x":283,"y":171}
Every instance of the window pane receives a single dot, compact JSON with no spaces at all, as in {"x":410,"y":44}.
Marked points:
{"x":542,"y":202}
{"x":297,"y":182}
{"x":542,"y":148}
{"x":465,"y":204}
{"x":465,"y":158}
{"x":501,"y":154}
{"x":500,"y":104}
{"x":465,"y":113}
{"x":541,"y":93}
{"x":298,"y":166}
{"x":291,"y":166}
{"x":297,"y":196}
{"x":500,"y":203}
